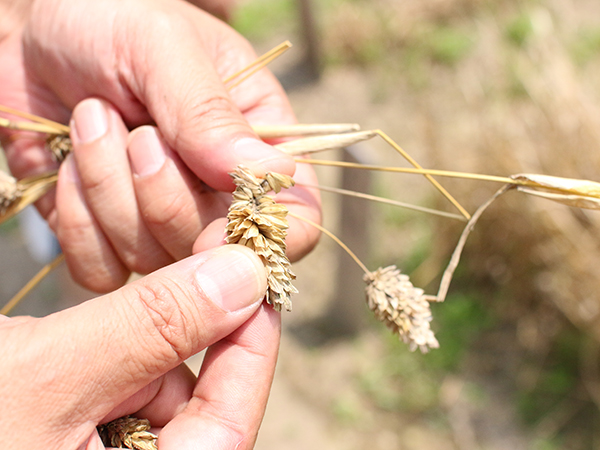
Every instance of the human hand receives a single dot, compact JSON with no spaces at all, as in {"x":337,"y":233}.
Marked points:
{"x":122,"y":354}
{"x":136,"y":201}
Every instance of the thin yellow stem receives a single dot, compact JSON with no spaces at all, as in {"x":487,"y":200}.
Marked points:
{"x":387,"y":201}
{"x":257,"y":65}
{"x":27,"y":126}
{"x":334,"y":237}
{"x":440,"y":173}
{"x":58,"y":128}
{"x":31,"y":284}
{"x":433,"y":181}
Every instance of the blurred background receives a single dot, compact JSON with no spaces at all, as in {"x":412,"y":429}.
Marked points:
{"x":488,"y":86}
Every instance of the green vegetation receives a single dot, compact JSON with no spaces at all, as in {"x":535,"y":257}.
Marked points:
{"x":260,"y":19}
{"x":446,"y":45}
{"x":585,"y":46}
{"x":519,"y":30}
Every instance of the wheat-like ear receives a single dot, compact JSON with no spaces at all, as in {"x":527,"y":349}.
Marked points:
{"x":28,"y":191}
{"x":392,"y":298}
{"x":128,"y":432}
{"x":258,"y":222}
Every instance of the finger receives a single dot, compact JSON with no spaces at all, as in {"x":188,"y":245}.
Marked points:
{"x":200,"y":120}
{"x":80,"y":363}
{"x":175,"y":204}
{"x":161,"y":400}
{"x":212,"y":236}
{"x":92,"y":261}
{"x":223,"y":414}
{"x":99,"y":146}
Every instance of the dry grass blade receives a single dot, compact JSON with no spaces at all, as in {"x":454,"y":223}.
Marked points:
{"x":258,"y":222}
{"x":128,"y":432}
{"x":322,"y":143}
{"x":569,"y":191}
{"x":303,"y":129}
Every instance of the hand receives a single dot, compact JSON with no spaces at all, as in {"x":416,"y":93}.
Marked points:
{"x":122,"y":354}
{"x":136,"y":201}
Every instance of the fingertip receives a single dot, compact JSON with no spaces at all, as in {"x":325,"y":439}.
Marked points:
{"x":233,"y":278}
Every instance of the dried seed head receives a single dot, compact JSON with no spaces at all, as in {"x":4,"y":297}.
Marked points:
{"x":401,"y":307}
{"x":9,"y":191}
{"x":128,"y":432}
{"x":60,"y":146}
{"x":258,"y":222}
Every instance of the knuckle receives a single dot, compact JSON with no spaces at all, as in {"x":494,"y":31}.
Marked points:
{"x":213,"y":112}
{"x":170,"y":208}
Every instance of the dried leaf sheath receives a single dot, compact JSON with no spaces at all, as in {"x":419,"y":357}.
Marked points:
{"x":401,"y":307}
{"x":258,"y":222}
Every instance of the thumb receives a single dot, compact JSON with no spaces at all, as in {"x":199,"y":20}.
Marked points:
{"x":199,"y":118}
{"x":88,"y":359}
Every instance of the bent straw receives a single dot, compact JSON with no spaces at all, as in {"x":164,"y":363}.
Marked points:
{"x":317,"y":144}
{"x":383,"y":200}
{"x":433,"y":181}
{"x":31,"y":284}
{"x":455,"y":258}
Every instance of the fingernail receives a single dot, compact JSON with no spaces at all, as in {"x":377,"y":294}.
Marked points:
{"x":91,"y":120}
{"x":232,"y":278}
{"x":147,"y":151}
{"x":261,"y":157}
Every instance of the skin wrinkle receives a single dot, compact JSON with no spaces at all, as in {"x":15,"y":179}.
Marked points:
{"x":214,"y":110}
{"x":166,"y":317}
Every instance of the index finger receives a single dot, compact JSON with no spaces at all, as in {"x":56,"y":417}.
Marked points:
{"x":230,"y":398}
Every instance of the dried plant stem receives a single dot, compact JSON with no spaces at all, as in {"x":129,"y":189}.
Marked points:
{"x":433,"y":181}
{"x":439,"y":173}
{"x":26,"y":126}
{"x":235,"y":79}
{"x":31,"y":284}
{"x":454,"y":260}
{"x":56,"y":128}
{"x":387,"y":201}
{"x":334,"y":237}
